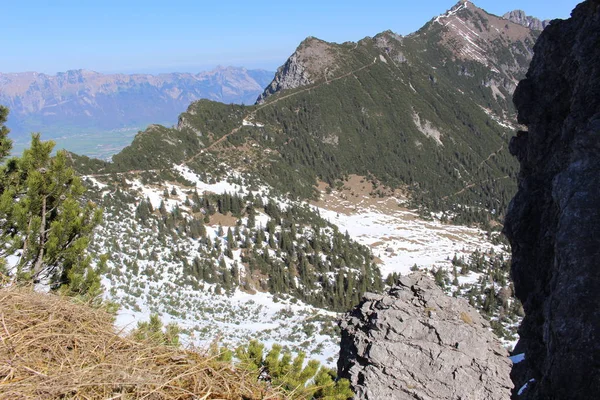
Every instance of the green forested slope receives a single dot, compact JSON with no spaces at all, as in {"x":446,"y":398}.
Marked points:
{"x":425,"y":112}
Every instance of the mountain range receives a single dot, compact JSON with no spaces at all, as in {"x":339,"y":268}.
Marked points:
{"x":430,"y":113}
{"x":519,"y":17}
{"x":81,"y":101}
{"x":359,"y":162}
{"x":355,"y":169}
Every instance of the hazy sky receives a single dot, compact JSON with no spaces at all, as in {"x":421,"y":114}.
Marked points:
{"x":159,"y":36}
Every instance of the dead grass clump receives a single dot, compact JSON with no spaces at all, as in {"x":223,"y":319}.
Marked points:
{"x":466,"y":318}
{"x":52,"y":348}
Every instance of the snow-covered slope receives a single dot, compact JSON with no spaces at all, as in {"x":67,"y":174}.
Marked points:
{"x":153,"y":265}
{"x":163,"y":260}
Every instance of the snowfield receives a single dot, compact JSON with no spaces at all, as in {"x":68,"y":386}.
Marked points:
{"x":401,"y":239}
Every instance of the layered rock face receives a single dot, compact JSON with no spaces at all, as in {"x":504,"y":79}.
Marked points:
{"x":417,"y":343}
{"x":553,"y":222}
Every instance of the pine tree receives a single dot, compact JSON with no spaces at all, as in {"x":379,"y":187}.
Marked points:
{"x":298,"y":379}
{"x":152,"y":330}
{"x":42,"y":215}
{"x":236,"y":206}
{"x":328,"y":388}
{"x":251,"y":217}
{"x":228,"y":251}
{"x":5,"y":142}
{"x":235,"y":274}
{"x":230,"y":242}
{"x":162,"y":208}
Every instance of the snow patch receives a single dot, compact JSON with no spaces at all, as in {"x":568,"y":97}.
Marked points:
{"x":95,"y":181}
{"x":218,"y":187}
{"x":250,"y":123}
{"x":450,"y":13}
{"x":411,"y":239}
{"x":498,"y":120}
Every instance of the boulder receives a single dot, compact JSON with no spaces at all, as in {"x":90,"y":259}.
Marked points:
{"x":415,"y":342}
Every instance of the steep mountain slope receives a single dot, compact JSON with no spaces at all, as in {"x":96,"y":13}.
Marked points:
{"x":463,"y":34}
{"x":79,"y":100}
{"x":228,"y":260}
{"x":429,"y":112}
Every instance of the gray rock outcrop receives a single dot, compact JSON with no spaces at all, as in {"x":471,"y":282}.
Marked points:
{"x":290,"y":75}
{"x":313,"y":60}
{"x":519,"y":17}
{"x":553,"y":222}
{"x":418,"y":343}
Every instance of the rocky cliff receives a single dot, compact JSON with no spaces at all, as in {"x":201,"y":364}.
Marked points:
{"x":553,"y":222}
{"x":417,"y":343}
{"x":312,"y":60}
{"x":519,"y":17}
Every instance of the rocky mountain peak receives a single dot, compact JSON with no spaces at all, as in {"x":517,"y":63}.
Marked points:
{"x":468,"y":32}
{"x":312,"y":60}
{"x":472,"y":34}
{"x":415,"y":342}
{"x":519,"y":17}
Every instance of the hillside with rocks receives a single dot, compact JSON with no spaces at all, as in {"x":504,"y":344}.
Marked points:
{"x":427,"y":113}
{"x":359,"y":164}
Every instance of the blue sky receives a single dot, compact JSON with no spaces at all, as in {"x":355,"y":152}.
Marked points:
{"x":159,"y":36}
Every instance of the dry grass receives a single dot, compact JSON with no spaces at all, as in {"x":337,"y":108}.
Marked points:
{"x":357,"y":194}
{"x":51,"y":348}
{"x":466,"y":318}
{"x":224,"y":220}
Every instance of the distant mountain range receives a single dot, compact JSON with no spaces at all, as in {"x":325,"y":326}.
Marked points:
{"x":82,"y":101}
